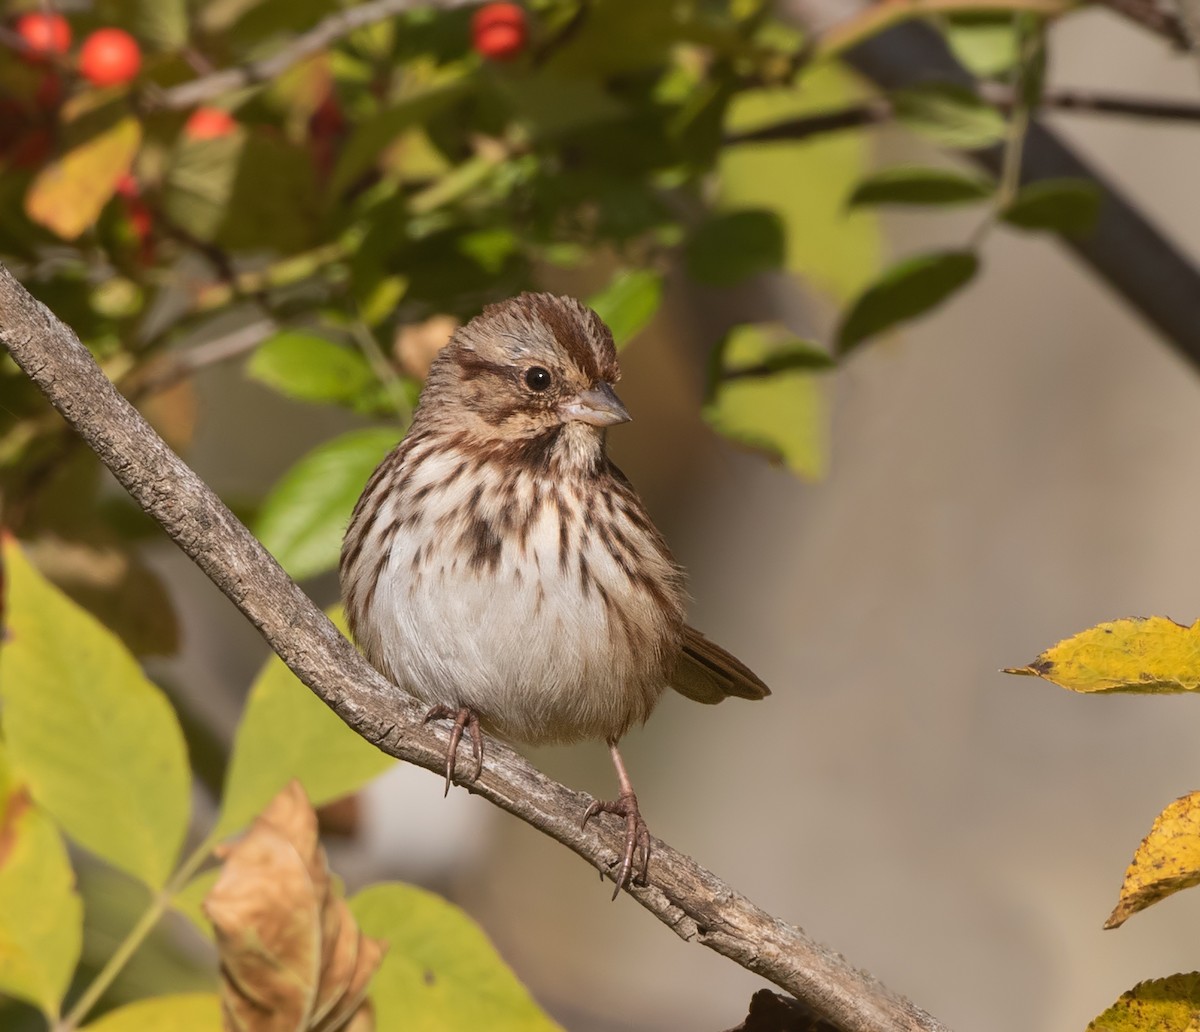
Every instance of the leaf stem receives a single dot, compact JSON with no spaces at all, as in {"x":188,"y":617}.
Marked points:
{"x":133,"y":940}
{"x":1018,"y":122}
{"x":1026,"y":83}
{"x":383,"y":369}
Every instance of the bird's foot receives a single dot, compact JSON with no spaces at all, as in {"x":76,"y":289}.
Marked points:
{"x":637,"y":837}
{"x":464,"y":719}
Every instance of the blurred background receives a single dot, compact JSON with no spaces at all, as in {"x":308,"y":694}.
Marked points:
{"x":962,"y":491}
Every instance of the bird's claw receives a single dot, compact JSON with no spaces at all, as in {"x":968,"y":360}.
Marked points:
{"x":637,"y":837}
{"x":464,"y":719}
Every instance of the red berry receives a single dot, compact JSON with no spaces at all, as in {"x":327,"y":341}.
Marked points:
{"x":109,"y":57}
{"x":328,"y":119}
{"x":209,"y":123}
{"x":141,"y":220}
{"x":49,"y":93}
{"x":498,"y":31}
{"x":44,"y":34}
{"x":32,"y":150}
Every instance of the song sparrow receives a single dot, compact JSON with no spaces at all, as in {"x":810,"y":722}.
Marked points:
{"x":499,"y":567}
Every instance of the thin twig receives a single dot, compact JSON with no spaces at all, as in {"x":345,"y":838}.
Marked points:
{"x":322,"y":35}
{"x":852,"y":117}
{"x":1027,"y":70}
{"x":171,"y":368}
{"x":1137,"y":261}
{"x":1068,"y":101}
{"x":692,"y":902}
{"x":1092,"y":102}
{"x":385,"y":372}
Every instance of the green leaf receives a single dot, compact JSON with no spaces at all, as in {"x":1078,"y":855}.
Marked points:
{"x":784,"y":357}
{"x":906,"y":290}
{"x":1069,"y":206}
{"x":949,"y":114}
{"x":41,"y":916}
{"x":369,"y":137}
{"x":287,"y":732}
{"x":68,"y":194}
{"x":273,"y":201}
{"x":161,"y":23}
{"x":908,"y":184}
{"x":628,"y":303}
{"x":730,"y":248}
{"x":549,"y":105}
{"x":308,"y":367}
{"x":986,"y":45}
{"x":303,"y":519}
{"x":440,"y":973}
{"x":186,"y":1012}
{"x":200,"y":180}
{"x":98,"y":743}
{"x":804,"y":181}
{"x":784,"y":412}
{"x":379,"y":300}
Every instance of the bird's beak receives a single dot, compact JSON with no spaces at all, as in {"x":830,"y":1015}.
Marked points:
{"x":597,"y":406}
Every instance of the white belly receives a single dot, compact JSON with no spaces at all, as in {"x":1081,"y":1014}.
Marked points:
{"x":528,"y":641}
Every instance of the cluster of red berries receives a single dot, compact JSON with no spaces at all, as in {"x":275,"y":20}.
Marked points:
{"x":499,"y":31}
{"x":108,"y":57}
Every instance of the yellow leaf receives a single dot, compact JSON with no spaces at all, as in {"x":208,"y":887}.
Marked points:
{"x":1136,"y":654}
{"x":1162,"y":1005}
{"x":189,"y":900}
{"x":41,"y":916}
{"x":1167,"y":860}
{"x":287,"y":732}
{"x":441,"y":972}
{"x":186,"y":1012}
{"x":67,"y":195}
{"x":97,"y":742}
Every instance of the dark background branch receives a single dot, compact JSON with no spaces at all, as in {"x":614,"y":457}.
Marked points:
{"x":1152,"y":17}
{"x":1125,"y":250}
{"x":691,"y":901}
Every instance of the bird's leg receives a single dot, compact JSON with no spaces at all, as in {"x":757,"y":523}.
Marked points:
{"x":637,"y":835}
{"x":464,"y":718}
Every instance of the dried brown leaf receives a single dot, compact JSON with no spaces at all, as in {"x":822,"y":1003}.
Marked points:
{"x":18,"y":802}
{"x":267,"y":920}
{"x":339,"y":955}
{"x":363,"y":1020}
{"x":292,"y":956}
{"x":368,"y":955}
{"x":417,"y":344}
{"x":173,"y":413}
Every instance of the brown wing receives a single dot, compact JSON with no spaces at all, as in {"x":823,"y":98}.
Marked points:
{"x":707,"y":673}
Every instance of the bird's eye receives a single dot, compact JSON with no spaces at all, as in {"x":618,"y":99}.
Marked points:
{"x":537,"y":378}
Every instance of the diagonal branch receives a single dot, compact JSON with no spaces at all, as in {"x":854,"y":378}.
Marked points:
{"x":692,"y":902}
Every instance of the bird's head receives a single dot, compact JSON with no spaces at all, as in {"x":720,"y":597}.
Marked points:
{"x":534,"y":371}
